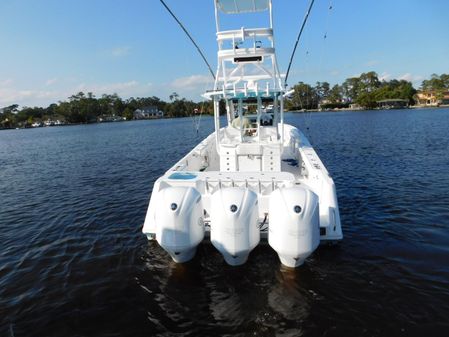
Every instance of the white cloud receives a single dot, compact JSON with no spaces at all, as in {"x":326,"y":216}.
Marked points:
{"x":23,"y":97}
{"x":107,"y":88}
{"x":4,"y":83}
{"x":120,"y":51}
{"x":410,"y":77}
{"x":371,"y":63}
{"x":193,"y":82}
{"x":384,"y":76}
{"x":123,"y":89}
{"x":51,"y":81}
{"x":31,"y":97}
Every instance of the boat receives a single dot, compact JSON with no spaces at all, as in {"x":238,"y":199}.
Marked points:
{"x":255,"y":178}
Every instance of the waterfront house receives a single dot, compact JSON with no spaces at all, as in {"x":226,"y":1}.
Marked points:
{"x":148,"y":112}
{"x":394,"y":103}
{"x":432,"y":98}
{"x":355,"y":106}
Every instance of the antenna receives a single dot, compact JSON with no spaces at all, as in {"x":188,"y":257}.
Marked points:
{"x":297,"y":40}
{"x":189,"y":36}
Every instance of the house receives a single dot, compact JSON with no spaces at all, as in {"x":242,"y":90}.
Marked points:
{"x":355,"y":106}
{"x":148,"y":112}
{"x":394,"y":103}
{"x":432,"y":98}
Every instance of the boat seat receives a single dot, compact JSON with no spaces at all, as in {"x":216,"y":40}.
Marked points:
{"x":253,"y":149}
{"x":200,"y":149}
{"x":229,"y":136}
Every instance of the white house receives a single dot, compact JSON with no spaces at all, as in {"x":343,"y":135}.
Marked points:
{"x":148,"y":112}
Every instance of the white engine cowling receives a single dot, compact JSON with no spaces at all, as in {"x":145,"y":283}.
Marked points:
{"x":294,"y":228}
{"x":179,"y":221}
{"x":234,"y":223}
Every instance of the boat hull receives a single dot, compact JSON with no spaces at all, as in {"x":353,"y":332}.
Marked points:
{"x":301,"y":174}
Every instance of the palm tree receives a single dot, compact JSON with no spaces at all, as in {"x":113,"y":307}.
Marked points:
{"x":174,"y":96}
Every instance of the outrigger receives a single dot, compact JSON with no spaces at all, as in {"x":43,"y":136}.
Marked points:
{"x":255,"y":178}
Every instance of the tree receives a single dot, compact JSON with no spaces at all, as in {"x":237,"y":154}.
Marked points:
{"x":8,"y":116}
{"x":369,"y":82}
{"x":435,"y":83}
{"x":351,"y":88}
{"x":52,"y":110}
{"x":26,"y":113}
{"x":11,"y":109}
{"x":322,"y":90}
{"x":174,"y":97}
{"x":335,"y":94}
{"x":363,"y":89}
{"x":367,"y":100}
{"x":128,"y":113}
{"x":304,"y":97}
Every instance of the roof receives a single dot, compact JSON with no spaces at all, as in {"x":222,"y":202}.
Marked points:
{"x":393,"y":100}
{"x":433,"y":91}
{"x":242,"y":6}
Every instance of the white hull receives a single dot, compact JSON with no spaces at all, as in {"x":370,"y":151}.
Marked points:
{"x":257,"y":178}
{"x":300,"y":167}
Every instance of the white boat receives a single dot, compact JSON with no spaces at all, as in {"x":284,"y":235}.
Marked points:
{"x":255,"y":178}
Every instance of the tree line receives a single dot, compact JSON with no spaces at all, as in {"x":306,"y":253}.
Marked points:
{"x":365,"y":90}
{"x":86,"y":108}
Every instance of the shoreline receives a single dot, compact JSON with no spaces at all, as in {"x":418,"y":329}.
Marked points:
{"x":413,"y":107}
{"x":375,"y":109}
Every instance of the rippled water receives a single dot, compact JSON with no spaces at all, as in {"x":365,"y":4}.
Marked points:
{"x":73,"y":261}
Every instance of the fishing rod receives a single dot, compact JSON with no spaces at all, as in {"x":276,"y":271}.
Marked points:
{"x":190,"y":37}
{"x":297,"y":40}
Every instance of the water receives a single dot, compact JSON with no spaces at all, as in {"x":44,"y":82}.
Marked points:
{"x":73,"y":261}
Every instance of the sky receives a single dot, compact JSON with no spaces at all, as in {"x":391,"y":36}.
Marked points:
{"x":51,"y":49}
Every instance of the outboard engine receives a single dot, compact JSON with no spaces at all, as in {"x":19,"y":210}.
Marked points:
{"x":294,"y":229}
{"x":234,"y":223}
{"x":179,"y":221}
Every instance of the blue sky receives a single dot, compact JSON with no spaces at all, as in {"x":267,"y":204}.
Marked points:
{"x":50,"y":49}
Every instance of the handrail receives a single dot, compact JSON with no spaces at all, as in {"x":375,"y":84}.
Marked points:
{"x":244,"y":33}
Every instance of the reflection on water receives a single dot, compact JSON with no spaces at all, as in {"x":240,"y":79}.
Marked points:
{"x":73,"y":261}
{"x":287,"y":298}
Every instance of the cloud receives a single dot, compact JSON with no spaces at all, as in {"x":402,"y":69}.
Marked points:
{"x":31,"y":97}
{"x":4,"y":83}
{"x":13,"y":96}
{"x":123,"y":89}
{"x":371,"y":63}
{"x":51,"y":81}
{"x":108,"y":87}
{"x":410,"y":77}
{"x":384,"y":76}
{"x":120,"y":51}
{"x":192,"y":82}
